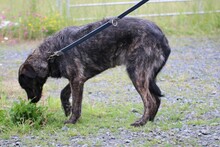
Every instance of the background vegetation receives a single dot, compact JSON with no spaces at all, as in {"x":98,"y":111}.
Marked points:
{"x":36,"y":19}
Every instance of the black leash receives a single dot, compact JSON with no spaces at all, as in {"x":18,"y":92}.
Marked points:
{"x":113,"y":22}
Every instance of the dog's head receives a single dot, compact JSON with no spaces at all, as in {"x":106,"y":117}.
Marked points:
{"x":31,"y":82}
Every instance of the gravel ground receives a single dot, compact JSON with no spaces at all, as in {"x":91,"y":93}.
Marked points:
{"x":193,"y":68}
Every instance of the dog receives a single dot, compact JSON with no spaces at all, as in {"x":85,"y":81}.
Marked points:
{"x":138,"y":44}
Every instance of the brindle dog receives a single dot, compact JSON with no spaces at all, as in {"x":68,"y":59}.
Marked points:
{"x":138,"y":44}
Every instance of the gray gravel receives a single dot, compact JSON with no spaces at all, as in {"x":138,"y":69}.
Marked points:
{"x":194,"y":63}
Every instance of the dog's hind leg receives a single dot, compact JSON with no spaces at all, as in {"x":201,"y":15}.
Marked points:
{"x":141,"y":83}
{"x":77,"y":93}
{"x":156,"y":94}
{"x":142,"y":69}
{"x":65,"y":96}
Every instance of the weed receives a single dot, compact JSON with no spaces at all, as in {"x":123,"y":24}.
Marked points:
{"x":27,"y":113}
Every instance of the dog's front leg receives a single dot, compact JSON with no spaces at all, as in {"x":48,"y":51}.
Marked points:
{"x":65,"y":96}
{"x":77,"y":92}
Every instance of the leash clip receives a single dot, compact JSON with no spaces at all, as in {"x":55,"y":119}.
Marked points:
{"x":55,"y":54}
{"x":114,"y":21}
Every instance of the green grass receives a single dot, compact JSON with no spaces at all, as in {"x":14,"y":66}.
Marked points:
{"x":24,"y":112}
{"x":93,"y":118}
{"x":100,"y":116}
{"x":38,"y":19}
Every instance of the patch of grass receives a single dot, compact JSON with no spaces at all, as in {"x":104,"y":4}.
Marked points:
{"x":153,"y":142}
{"x":94,"y":118}
{"x":6,"y":124}
{"x":201,"y":121}
{"x":99,"y":116}
{"x":28,"y":113}
{"x":102,"y":116}
{"x":3,"y":120}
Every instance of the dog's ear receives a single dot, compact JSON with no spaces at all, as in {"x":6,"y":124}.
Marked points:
{"x":27,"y":70}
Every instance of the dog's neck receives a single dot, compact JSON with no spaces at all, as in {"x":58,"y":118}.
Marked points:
{"x":39,"y":63}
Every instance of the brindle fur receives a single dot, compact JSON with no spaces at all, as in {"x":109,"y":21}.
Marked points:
{"x":136,"y":43}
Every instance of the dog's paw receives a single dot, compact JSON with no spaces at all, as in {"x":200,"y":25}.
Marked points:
{"x":70,"y":121}
{"x":139,"y":123}
{"x":73,"y":119}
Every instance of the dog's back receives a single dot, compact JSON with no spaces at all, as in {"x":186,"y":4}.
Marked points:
{"x":114,"y":46}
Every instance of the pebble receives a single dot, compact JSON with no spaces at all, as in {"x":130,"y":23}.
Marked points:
{"x":204,"y":143}
{"x":199,"y":134}
{"x":216,"y":137}
{"x":17,"y":143}
{"x":134,"y":110}
{"x":65,"y":128}
{"x":205,"y":132}
{"x":108,"y":133}
{"x":127,"y":141}
{"x":112,"y":137}
{"x":214,"y":92}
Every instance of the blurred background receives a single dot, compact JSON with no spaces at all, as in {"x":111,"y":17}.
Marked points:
{"x":34,"y":19}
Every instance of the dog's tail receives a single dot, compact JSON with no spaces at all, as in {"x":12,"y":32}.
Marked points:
{"x":154,"y":89}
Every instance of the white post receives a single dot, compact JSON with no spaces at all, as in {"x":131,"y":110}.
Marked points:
{"x":68,"y":8}
{"x":60,"y":6}
{"x":200,"y":6}
{"x":136,"y":11}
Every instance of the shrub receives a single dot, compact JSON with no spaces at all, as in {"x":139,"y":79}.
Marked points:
{"x":25,"y":112}
{"x":37,"y":26}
